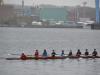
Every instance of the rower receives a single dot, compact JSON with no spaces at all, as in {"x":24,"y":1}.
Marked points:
{"x":23,"y":56}
{"x":78,"y":53}
{"x":44,"y":53}
{"x":62,"y":53}
{"x":86,"y":52}
{"x":36,"y":53}
{"x":53,"y":53}
{"x":94,"y":53}
{"x":70,"y":53}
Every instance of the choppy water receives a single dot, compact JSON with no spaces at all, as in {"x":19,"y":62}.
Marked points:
{"x":17,"y":40}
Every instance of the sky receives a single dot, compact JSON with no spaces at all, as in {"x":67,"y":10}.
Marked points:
{"x":90,"y":3}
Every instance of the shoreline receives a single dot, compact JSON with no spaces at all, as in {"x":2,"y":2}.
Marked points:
{"x":30,"y":26}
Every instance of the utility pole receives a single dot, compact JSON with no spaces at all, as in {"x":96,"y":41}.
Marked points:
{"x":84,"y":11}
{"x":23,"y":7}
{"x":77,"y":13}
{"x":22,"y":18}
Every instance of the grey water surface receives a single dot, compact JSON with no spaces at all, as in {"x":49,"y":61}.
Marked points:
{"x":18,"y":40}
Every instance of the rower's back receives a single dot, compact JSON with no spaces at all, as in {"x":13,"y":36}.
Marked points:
{"x":62,"y":53}
{"x":23,"y":56}
{"x":53,"y":53}
{"x":78,"y":52}
{"x":94,"y":53}
{"x":44,"y":53}
{"x":70,"y":53}
{"x":86,"y":52}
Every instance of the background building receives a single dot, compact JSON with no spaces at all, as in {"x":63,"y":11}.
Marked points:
{"x":25,"y":15}
{"x":17,"y":15}
{"x":53,"y":13}
{"x":7,"y":14}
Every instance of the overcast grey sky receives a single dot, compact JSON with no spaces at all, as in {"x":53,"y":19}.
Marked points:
{"x":53,"y":2}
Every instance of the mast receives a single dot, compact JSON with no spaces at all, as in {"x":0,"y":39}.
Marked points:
{"x":22,"y":7}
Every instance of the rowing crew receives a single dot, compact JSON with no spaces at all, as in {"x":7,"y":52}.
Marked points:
{"x":53,"y":54}
{"x":86,"y":53}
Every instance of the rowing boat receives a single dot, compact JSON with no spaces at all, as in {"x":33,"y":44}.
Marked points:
{"x":84,"y":57}
{"x":30,"y":58}
{"x":49,"y":57}
{"x":90,"y":56}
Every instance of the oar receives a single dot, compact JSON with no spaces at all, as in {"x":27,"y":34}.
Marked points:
{"x":19,"y":54}
{"x":2,"y":57}
{"x":13,"y":54}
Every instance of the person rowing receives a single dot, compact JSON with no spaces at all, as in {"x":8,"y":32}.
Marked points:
{"x":62,"y":53}
{"x":94,"y":53}
{"x":78,"y":53}
{"x":44,"y":53}
{"x":53,"y":53}
{"x":36,"y":53}
{"x":86,"y":52}
{"x":23,"y":56}
{"x":70,"y":53}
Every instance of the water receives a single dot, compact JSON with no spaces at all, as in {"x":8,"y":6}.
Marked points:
{"x":18,"y":40}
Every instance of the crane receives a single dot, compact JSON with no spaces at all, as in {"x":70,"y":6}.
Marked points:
{"x":97,"y":11}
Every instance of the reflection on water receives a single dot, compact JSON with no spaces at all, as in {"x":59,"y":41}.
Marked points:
{"x":50,"y":67}
{"x":17,"y":40}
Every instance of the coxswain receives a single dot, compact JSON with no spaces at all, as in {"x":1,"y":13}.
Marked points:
{"x":86,"y":52}
{"x":70,"y":53}
{"x":78,"y":53}
{"x":36,"y":53}
{"x":94,"y":53}
{"x":53,"y":53}
{"x":45,"y":53}
{"x":62,"y":53}
{"x":23,"y":56}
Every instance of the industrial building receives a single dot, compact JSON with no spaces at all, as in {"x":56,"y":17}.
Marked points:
{"x":52,"y":14}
